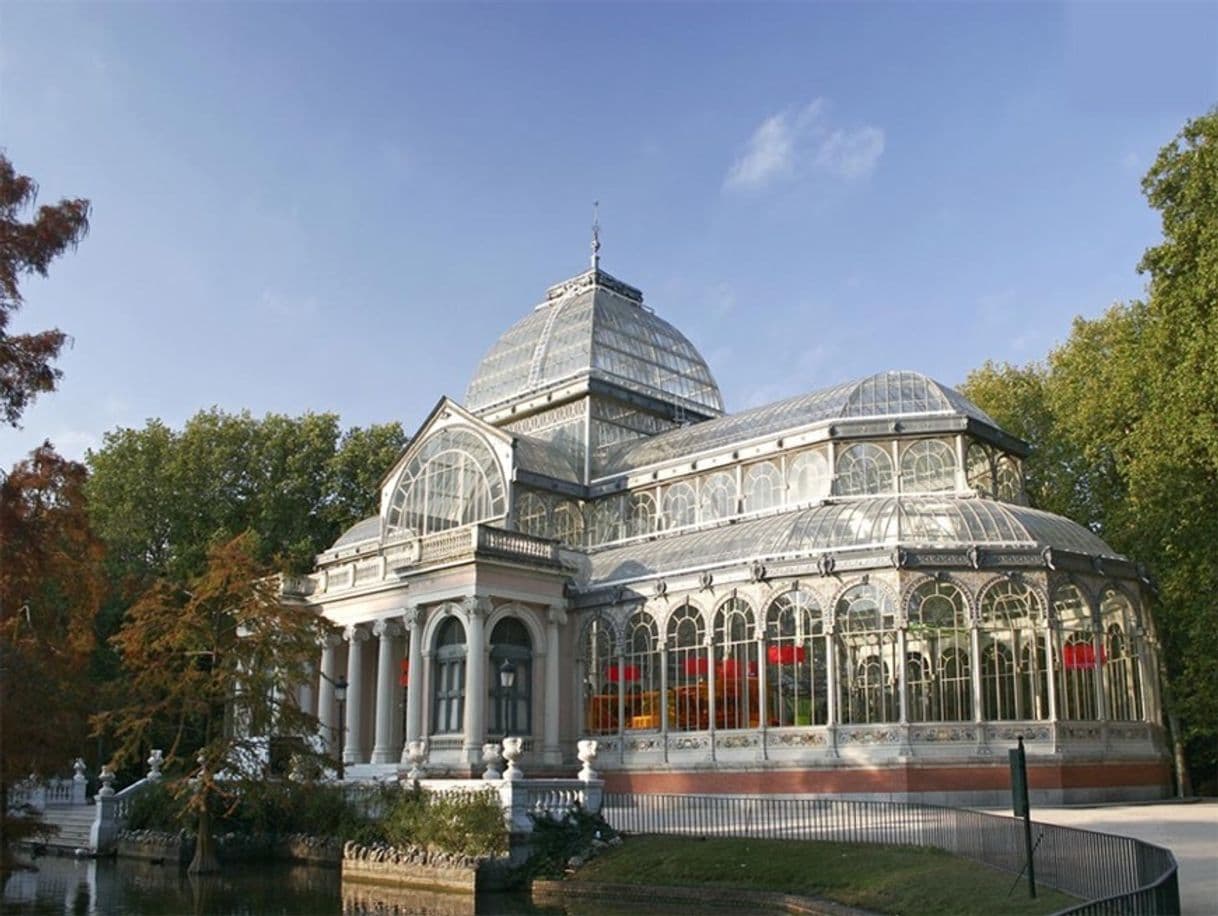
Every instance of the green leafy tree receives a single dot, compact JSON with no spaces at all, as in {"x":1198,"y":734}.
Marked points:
{"x":216,"y":662}
{"x":160,"y":497}
{"x":27,"y":360}
{"x":1124,"y":417}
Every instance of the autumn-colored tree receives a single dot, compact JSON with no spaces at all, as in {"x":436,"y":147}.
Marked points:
{"x":213,"y":665}
{"x":27,"y":360}
{"x":51,"y":584}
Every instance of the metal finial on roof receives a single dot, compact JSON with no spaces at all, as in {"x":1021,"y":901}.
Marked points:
{"x":596,"y":235}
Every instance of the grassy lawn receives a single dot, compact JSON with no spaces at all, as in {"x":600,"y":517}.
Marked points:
{"x":885,"y":879}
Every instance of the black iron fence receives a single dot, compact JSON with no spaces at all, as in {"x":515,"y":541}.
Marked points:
{"x":1114,"y":874}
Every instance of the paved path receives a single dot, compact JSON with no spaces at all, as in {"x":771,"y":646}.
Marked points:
{"x":1188,"y":829}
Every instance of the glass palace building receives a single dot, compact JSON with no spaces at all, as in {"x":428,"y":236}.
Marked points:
{"x":842,"y":592}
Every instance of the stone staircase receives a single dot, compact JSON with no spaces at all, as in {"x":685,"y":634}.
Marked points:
{"x":74,"y":823}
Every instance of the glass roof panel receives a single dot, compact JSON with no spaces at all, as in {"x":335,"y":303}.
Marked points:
{"x":885,"y":522}
{"x":364,"y":530}
{"x":594,"y":330}
{"x":543,"y":458}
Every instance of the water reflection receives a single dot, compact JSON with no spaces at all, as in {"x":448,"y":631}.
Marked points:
{"x":71,"y":887}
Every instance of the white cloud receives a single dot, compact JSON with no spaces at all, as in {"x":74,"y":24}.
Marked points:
{"x":796,"y":143}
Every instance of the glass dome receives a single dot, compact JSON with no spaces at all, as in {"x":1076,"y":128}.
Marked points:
{"x":594,"y":327}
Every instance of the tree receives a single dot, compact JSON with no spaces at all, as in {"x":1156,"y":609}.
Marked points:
{"x":26,"y":360}
{"x":160,"y":497}
{"x":217,"y":661}
{"x":1124,"y":417}
{"x":51,"y":584}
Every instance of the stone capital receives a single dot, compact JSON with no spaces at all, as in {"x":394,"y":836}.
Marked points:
{"x":332,"y":640}
{"x":387,"y":628}
{"x":355,"y":633}
{"x":412,"y":616}
{"x":556,"y":614}
{"x":477,"y":605}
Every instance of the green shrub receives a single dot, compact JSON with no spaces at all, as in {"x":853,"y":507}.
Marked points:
{"x":466,"y":823}
{"x":156,"y":808}
{"x":556,"y":840}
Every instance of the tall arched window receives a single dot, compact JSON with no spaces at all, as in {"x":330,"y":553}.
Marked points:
{"x":1076,"y":679}
{"x":796,"y":659}
{"x":1122,"y":677}
{"x":1013,"y":684}
{"x":642,"y":514}
{"x":452,"y":479}
{"x":607,"y":522}
{"x":680,"y":505}
{"x":718,"y":496}
{"x":602,"y":675}
{"x":809,"y":478}
{"x":532,"y":514}
{"x":979,"y":469}
{"x":867,"y":655}
{"x":928,"y":466}
{"x":569,"y":523}
{"x":938,"y":634}
{"x":736,"y":701}
{"x":1008,"y":483}
{"x":687,"y":670}
{"x":511,"y":707}
{"x":448,"y":659}
{"x":762,"y":487}
{"x":864,"y":469}
{"x":641,"y":673}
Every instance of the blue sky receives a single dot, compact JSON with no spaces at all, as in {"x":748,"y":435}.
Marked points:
{"x":339,"y":207}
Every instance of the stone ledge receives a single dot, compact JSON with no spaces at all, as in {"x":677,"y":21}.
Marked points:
{"x":556,"y":892}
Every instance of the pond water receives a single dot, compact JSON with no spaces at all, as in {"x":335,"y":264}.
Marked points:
{"x":83,"y":887}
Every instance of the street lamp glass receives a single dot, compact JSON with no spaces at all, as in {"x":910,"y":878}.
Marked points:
{"x":507,"y":674}
{"x":340,"y":689}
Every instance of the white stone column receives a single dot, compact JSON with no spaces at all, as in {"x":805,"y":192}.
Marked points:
{"x":355,"y":694}
{"x":476,"y":610}
{"x":387,"y":667}
{"x":413,"y":621}
{"x":327,"y":712}
{"x":556,"y":616}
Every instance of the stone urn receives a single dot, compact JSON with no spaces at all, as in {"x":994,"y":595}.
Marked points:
{"x":587,"y":756}
{"x":490,"y":757}
{"x":512,"y":749}
{"x":416,"y":753}
{"x":107,"y":782}
{"x":156,"y":760}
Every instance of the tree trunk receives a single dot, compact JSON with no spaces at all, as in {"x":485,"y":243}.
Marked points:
{"x":205,"y":861}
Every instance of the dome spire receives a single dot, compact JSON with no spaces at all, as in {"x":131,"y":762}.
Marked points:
{"x":596,"y":235}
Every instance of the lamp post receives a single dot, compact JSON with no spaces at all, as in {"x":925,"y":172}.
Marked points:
{"x":507,"y":680}
{"x":340,"y":696}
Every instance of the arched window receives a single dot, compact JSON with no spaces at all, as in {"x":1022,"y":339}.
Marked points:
{"x":808,"y":477}
{"x":687,"y":670}
{"x":641,"y":673}
{"x":1012,"y":625}
{"x":796,"y":659}
{"x":864,"y":469}
{"x":607,"y":522}
{"x":680,"y":505}
{"x":642,"y":519}
{"x":762,"y":487}
{"x":532,"y":514}
{"x":928,"y":466}
{"x":1076,"y":678}
{"x":1008,"y":483}
{"x":511,"y":707}
{"x":919,"y":687}
{"x":867,"y":655}
{"x":736,"y":701}
{"x":1123,"y":680}
{"x":718,"y":496}
{"x":453,"y":479}
{"x":602,"y":676}
{"x":979,"y":469}
{"x":569,"y":523}
{"x":938,"y":633}
{"x":448,"y":708}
